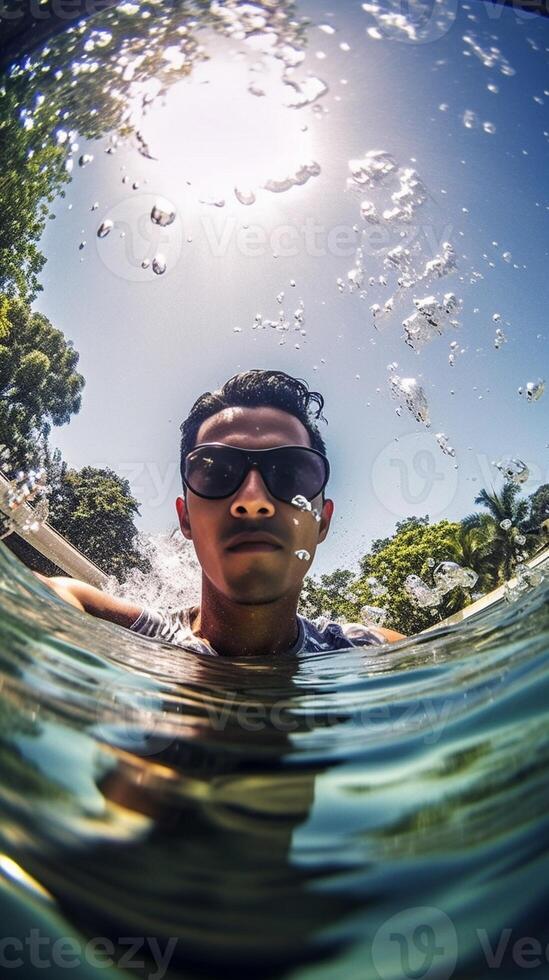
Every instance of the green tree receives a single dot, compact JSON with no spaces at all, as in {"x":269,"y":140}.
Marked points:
{"x":538,"y":518}
{"x":473,"y":548}
{"x":329,"y":596}
{"x":95,"y":510}
{"x":410,"y":522}
{"x":414,"y":549}
{"x":39,"y":384}
{"x":507,"y":505}
{"x":409,"y":553}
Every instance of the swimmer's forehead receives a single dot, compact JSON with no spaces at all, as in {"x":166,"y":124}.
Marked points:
{"x":260,"y":427}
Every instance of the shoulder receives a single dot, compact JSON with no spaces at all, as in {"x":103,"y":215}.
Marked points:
{"x":325,"y":634}
{"x":160,"y":622}
{"x":391,"y":636}
{"x":171,"y":626}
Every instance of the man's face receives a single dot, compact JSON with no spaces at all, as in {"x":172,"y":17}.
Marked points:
{"x":252,"y":572}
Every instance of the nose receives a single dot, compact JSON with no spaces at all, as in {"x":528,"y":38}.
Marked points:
{"x":252,"y":498}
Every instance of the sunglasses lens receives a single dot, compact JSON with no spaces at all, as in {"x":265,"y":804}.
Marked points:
{"x":214,"y":471}
{"x":218,"y":471}
{"x":293,"y":471}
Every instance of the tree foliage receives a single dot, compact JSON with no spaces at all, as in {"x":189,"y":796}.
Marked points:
{"x":538,"y":519}
{"x":95,"y":510}
{"x":477,"y":542}
{"x":507,"y":505}
{"x":39,"y":384}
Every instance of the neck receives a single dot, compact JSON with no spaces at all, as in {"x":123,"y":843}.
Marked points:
{"x":236,"y":630}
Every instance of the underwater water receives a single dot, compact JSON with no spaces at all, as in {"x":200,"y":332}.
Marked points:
{"x":356,"y":814}
{"x":339,"y":191}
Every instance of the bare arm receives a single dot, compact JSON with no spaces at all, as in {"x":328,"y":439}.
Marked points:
{"x":391,"y":635}
{"x":91,"y":600}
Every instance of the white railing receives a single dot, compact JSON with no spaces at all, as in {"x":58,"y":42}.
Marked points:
{"x":490,"y":598}
{"x":49,"y":543}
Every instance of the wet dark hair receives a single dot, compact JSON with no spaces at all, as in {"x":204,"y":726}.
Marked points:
{"x":255,"y":389}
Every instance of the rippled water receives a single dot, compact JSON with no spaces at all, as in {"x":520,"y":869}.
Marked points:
{"x":277,"y":814}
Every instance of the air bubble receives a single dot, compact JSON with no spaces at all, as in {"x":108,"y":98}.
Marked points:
{"x":105,"y":228}
{"x":159,"y":265}
{"x":533,"y":390}
{"x":246,"y":197}
{"x":513,"y":470}
{"x":162,"y":213}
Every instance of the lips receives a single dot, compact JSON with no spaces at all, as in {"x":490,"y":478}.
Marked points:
{"x":254,"y":546}
{"x":258,"y":542}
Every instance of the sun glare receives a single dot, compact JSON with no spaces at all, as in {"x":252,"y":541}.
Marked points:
{"x":216,"y":132}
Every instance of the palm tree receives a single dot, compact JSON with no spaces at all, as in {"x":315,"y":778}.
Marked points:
{"x":538,"y":518}
{"x":474,"y":548}
{"x":503,"y":506}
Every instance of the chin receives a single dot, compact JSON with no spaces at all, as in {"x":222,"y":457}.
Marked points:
{"x":254,"y":596}
{"x":252,"y":589}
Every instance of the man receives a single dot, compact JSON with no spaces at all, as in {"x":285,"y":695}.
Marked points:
{"x":254,"y":471}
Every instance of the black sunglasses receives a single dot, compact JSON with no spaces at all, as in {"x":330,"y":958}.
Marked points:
{"x":214,"y":470}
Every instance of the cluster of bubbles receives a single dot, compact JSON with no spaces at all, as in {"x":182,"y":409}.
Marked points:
{"x":300,"y":177}
{"x":442,"y":264}
{"x":430,"y":319}
{"x":442,"y":440}
{"x":491,"y":57}
{"x":525,"y":578}
{"x":533,"y":390}
{"x":413,"y":23}
{"x":398,"y":193}
{"x":499,"y":338}
{"x":513,"y":470}
{"x":375,"y":170}
{"x":283,"y":325}
{"x":376,"y":587}
{"x":174,"y":575}
{"x":306,"y":507}
{"x":447,"y":575}
{"x":454,"y":351}
{"x":370,"y":615}
{"x":471,"y":121}
{"x":373,"y":615}
{"x":162,"y":215}
{"x":23,"y":488}
{"x":410,"y":392}
{"x":394,"y":195}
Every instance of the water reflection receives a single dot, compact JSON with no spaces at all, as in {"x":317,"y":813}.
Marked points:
{"x":269,"y":815}
{"x":277,"y":815}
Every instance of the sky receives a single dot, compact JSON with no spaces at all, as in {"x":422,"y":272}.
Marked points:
{"x":150,"y":344}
